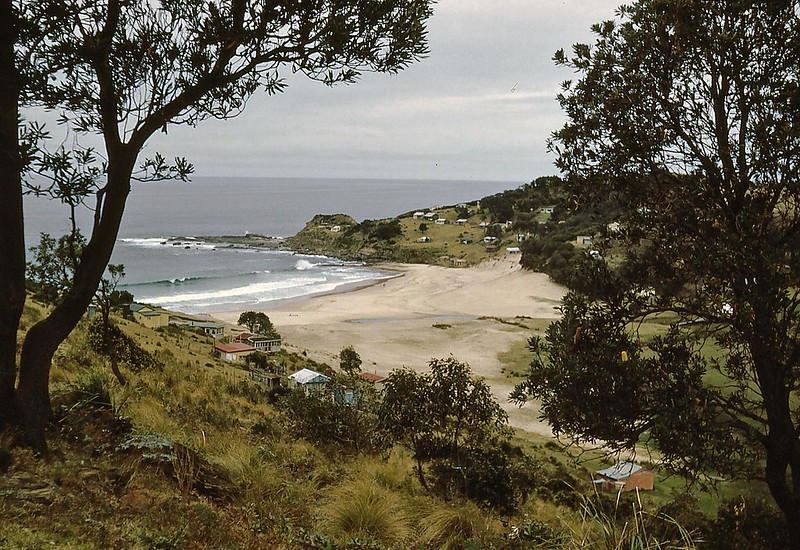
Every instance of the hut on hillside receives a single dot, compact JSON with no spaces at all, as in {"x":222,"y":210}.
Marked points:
{"x":624,"y":476}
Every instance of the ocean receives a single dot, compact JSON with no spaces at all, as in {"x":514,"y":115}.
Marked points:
{"x":201,"y":277}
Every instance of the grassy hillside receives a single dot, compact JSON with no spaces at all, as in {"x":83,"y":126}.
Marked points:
{"x":406,"y":238}
{"x":539,"y":218}
{"x":192,"y":454}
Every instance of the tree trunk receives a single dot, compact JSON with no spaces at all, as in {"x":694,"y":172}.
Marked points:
{"x":12,"y":242}
{"x":782,"y":470}
{"x":785,"y":498}
{"x":115,"y":369}
{"x":42,"y":340}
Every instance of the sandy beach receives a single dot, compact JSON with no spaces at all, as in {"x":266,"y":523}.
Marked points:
{"x":429,"y":311}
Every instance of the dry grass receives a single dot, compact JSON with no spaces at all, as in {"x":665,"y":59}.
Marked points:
{"x":451,"y":527}
{"x":601,"y":530}
{"x":365,"y":510}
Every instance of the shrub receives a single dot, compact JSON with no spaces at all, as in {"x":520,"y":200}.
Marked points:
{"x":326,"y":418}
{"x":365,"y":511}
{"x":464,"y":526}
{"x":499,"y":475}
{"x":129,"y":353}
{"x":745,"y":523}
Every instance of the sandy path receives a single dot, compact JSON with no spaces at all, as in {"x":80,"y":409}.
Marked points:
{"x":391,"y":324}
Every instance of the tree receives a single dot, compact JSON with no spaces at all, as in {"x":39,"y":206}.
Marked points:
{"x":53,"y":265}
{"x":257,"y":322}
{"x":442,"y":414}
{"x":257,"y":360}
{"x":688,"y":113}
{"x":329,"y":417}
{"x":386,"y":231}
{"x":350,"y":361}
{"x":123,"y":71}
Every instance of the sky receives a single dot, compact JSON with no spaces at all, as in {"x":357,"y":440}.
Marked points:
{"x":480,"y":107}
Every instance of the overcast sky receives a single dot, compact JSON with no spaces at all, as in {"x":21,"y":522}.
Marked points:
{"x":480,"y":106}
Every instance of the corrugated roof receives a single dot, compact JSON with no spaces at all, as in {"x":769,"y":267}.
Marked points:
{"x":308,"y":376}
{"x":620,"y":470}
{"x":235,"y":347}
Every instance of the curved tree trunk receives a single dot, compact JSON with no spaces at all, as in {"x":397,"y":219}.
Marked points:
{"x":12,"y":242}
{"x":42,"y":340}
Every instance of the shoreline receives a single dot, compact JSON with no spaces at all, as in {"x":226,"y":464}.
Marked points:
{"x":427,"y":312}
{"x":343,"y":288}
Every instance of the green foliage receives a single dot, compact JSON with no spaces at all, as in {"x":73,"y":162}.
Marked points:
{"x":258,"y":322}
{"x":53,"y":265}
{"x":508,"y":205}
{"x":547,"y":255}
{"x":498,"y":475}
{"x":682,"y":514}
{"x":258,"y":360}
{"x":125,"y":348}
{"x":748,"y":524}
{"x":450,"y":420}
{"x":350,"y":361}
{"x":701,"y":161}
{"x":386,"y":231}
{"x":596,"y":382}
{"x":327,"y":418}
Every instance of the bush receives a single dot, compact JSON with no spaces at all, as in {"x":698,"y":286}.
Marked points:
{"x":323,"y":418}
{"x":499,"y":476}
{"x":745,"y":523}
{"x":387,"y":231}
{"x":364,"y":511}
{"x":682,"y":512}
{"x":129,"y":353}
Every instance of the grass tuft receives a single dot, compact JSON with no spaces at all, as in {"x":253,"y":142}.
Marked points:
{"x":365,"y":510}
{"x":454,"y":527}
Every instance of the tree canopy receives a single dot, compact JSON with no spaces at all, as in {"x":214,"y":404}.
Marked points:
{"x":350,"y":361}
{"x":258,"y":322}
{"x":123,"y":71}
{"x":442,"y":414}
{"x":688,"y":114}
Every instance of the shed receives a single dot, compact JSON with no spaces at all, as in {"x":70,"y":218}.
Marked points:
{"x":624,"y":476}
{"x":308,"y":380}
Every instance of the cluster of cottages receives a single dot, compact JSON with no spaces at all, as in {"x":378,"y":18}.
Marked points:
{"x":154,"y":317}
{"x":245,"y":343}
{"x":623,"y":476}
{"x":232,"y":348}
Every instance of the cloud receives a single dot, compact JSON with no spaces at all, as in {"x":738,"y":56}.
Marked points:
{"x":481,"y":106}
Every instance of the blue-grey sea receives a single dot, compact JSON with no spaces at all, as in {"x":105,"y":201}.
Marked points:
{"x":198,"y":277}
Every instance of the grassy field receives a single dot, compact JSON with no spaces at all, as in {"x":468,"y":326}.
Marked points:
{"x":195,"y":455}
